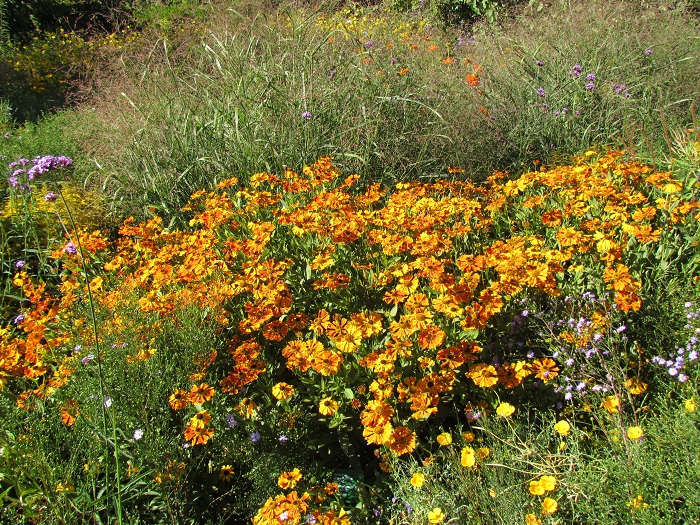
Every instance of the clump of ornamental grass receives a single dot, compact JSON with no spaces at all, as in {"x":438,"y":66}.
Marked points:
{"x":303,"y":316}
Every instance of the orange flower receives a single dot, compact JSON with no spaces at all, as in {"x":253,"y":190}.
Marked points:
{"x":483,"y":375}
{"x":545,"y":369}
{"x":403,"y":441}
{"x":200,"y":419}
{"x":200,"y":393}
{"x":198,"y":435}
{"x":472,"y":80}
{"x":431,"y":337}
{"x":379,"y":434}
{"x":289,"y":480}
{"x":179,"y":399}
{"x":69,"y":411}
{"x":282,"y":391}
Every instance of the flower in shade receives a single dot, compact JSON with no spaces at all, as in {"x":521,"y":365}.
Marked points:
{"x":138,"y":434}
{"x":108,"y":402}
{"x":226,"y":473}
{"x":20,"y":264}
{"x":231,"y":421}
{"x":307,"y":115}
{"x":255,"y":436}
{"x":282,"y":439}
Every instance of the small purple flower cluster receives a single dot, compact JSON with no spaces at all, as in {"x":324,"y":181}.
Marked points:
{"x":40,"y":166}
{"x":677,"y":362}
{"x":621,"y":90}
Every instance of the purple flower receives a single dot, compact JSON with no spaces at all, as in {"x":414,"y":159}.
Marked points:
{"x":590,"y":77}
{"x":682,"y":378}
{"x":231,"y":421}
{"x":85,"y":360}
{"x":282,"y":439}
{"x":392,"y":60}
{"x":620,"y":329}
{"x":255,"y":436}
{"x":590,"y":86}
{"x":539,"y":63}
{"x":50,"y":197}
{"x":70,"y":249}
{"x":541,"y":93}
{"x":564,"y":110}
{"x":307,"y":115}
{"x":331,"y":74}
{"x":647,"y":52}
{"x":19,"y":319}
{"x":369,"y":44}
{"x":576,"y":71}
{"x":14,"y":181}
{"x":20,"y":264}
{"x":577,"y":113}
{"x":7,"y":135}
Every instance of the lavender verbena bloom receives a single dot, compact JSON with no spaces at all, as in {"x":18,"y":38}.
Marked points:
{"x":331,"y":74}
{"x":231,"y":421}
{"x":647,"y":52}
{"x":541,"y":92}
{"x":577,"y":113}
{"x":590,"y":77}
{"x":50,"y":197}
{"x":255,"y":436}
{"x":392,"y":60}
{"x":539,"y":63}
{"x":307,"y":115}
{"x":14,"y":181}
{"x":23,"y":161}
{"x":70,"y":249}
{"x":620,"y":329}
{"x":688,"y":304}
{"x":369,"y":44}
{"x":20,"y":264}
{"x":576,"y":71}
{"x":590,"y":86}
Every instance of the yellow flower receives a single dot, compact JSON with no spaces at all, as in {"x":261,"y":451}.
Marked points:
{"x":536,"y":488}
{"x":282,"y":391}
{"x":417,"y":479}
{"x":636,"y":386}
{"x":548,"y":483}
{"x":690,"y":405}
{"x":531,"y":519}
{"x":635,"y":432}
{"x":549,"y":505}
{"x":611,"y":404}
{"x":468,"y":457}
{"x":468,"y":436}
{"x":505,"y":410}
{"x":445,"y":439}
{"x":482,"y":453}
{"x":328,"y":407}
{"x":563,"y":428}
{"x":436,"y":516}
{"x":226,"y":473}
{"x":637,"y":503}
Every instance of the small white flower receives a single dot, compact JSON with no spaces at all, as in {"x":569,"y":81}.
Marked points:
{"x":138,"y":434}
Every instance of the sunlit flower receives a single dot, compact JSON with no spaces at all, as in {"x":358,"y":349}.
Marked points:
{"x":563,"y":428}
{"x":690,"y":405}
{"x":436,"y":516}
{"x":417,"y":479}
{"x":328,"y":407}
{"x":445,"y":439}
{"x":505,"y":410}
{"x":289,"y":480}
{"x":468,"y":457}
{"x":549,"y":505}
{"x":635,"y":432}
{"x":282,"y":391}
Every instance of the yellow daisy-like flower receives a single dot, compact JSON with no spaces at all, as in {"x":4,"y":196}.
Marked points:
{"x":635,"y":432}
{"x":282,"y":391}
{"x":436,"y":516}
{"x":444,"y":439}
{"x":417,"y":479}
{"x":226,"y":473}
{"x":563,"y":428}
{"x":536,"y":488}
{"x":505,"y":410}
{"x":328,"y":407}
{"x":469,"y":436}
{"x":690,"y":405}
{"x":549,"y":505}
{"x":468,"y":457}
{"x":636,"y":386}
